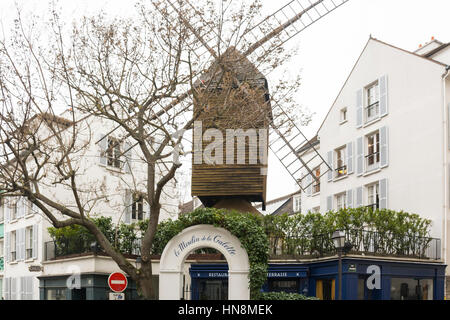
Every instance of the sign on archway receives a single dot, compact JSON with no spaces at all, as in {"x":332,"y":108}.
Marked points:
{"x":203,"y":236}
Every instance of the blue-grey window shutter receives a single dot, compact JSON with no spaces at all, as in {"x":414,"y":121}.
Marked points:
{"x":359,"y":156}
{"x":350,"y":198}
{"x":7,"y":210}
{"x":35,"y":242}
{"x":128,"y":203}
{"x":8,"y":246}
{"x":359,"y":197}
{"x":350,"y":158}
{"x":330,"y":163}
{"x":22,"y":288}
{"x":384,"y":147}
{"x":329,"y":203}
{"x":382,"y":84}
{"x":22,"y":243}
{"x":30,"y":288}
{"x":309,"y":184}
{"x":13,"y":288}
{"x":127,"y":149}
{"x":18,"y":244}
{"x":359,"y":108}
{"x":7,"y":288}
{"x":20,"y":207}
{"x":103,"y":144}
{"x":383,"y":196}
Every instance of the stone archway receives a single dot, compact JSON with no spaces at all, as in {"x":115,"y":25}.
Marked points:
{"x":203,"y":236}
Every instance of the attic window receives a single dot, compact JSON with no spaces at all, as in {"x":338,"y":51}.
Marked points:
{"x":343,"y":115}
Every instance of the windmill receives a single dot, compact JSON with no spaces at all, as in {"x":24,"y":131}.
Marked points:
{"x":284,"y":135}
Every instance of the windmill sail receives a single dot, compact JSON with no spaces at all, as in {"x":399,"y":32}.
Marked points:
{"x":285,"y":138}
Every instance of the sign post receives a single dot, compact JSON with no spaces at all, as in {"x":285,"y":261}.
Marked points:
{"x":118,"y":283}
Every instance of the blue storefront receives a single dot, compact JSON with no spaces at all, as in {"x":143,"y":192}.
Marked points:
{"x":362,"y":279}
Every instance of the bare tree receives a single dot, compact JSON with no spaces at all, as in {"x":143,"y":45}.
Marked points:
{"x":140,"y":74}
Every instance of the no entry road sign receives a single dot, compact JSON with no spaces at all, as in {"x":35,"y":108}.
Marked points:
{"x":117,"y":282}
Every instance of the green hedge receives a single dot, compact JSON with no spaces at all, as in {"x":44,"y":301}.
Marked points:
{"x":284,"y":296}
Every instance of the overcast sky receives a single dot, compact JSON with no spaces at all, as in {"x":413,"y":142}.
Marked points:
{"x":327,"y":50}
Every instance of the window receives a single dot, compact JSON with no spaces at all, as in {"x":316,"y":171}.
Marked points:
{"x":56,"y":294}
{"x":411,"y":289}
{"x":343,"y":115}
{"x":325,"y":289}
{"x":373,"y":151}
{"x":373,"y":102}
{"x":29,"y":243}
{"x":137,"y":208}
{"x":1,"y":249}
{"x":341,"y":167}
{"x":13,"y":246}
{"x":341,"y":201}
{"x":13,"y":208}
{"x":113,"y":153}
{"x":373,"y":200}
{"x":316,"y":185}
{"x":297,"y":203}
{"x":316,"y":209}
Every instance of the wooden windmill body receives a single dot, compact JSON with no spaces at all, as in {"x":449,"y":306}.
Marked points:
{"x":225,"y":105}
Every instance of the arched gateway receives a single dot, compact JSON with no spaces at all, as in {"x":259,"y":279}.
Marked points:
{"x":203,"y":236}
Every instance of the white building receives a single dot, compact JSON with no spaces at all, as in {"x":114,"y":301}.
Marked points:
{"x":386,"y":136}
{"x":100,"y":172}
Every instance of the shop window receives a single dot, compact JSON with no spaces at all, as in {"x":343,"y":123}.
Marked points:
{"x":411,"y":289}
{"x":291,"y":286}
{"x":325,"y":289}
{"x":56,"y":294}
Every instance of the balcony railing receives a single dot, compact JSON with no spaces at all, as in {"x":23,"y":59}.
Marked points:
{"x":363,"y":242}
{"x":76,"y":247}
{"x":341,"y":171}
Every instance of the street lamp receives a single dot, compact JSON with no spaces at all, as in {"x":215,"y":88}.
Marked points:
{"x":339,"y":243}
{"x":138,"y":262}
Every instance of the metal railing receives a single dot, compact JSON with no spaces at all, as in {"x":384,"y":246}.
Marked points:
{"x":68,"y":247}
{"x":363,"y":242}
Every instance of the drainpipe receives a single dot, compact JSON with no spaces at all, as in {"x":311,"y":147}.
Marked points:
{"x":446,"y":132}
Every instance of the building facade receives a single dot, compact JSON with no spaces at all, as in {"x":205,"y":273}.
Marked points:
{"x":116,"y":181}
{"x":386,"y":137}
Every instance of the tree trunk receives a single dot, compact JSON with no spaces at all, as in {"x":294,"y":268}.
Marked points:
{"x":144,"y":283}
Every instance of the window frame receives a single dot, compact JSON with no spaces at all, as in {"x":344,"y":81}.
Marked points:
{"x":137,"y":208}
{"x":343,"y":196}
{"x":13,"y":245}
{"x":375,"y":155}
{"x":113,"y":153}
{"x":373,"y":200}
{"x":369,"y":104}
{"x":343,"y":115}
{"x":316,"y":186}
{"x":342,"y":152}
{"x":29,"y":243}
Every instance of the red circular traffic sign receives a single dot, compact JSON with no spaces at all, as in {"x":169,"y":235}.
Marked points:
{"x":117,"y":282}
